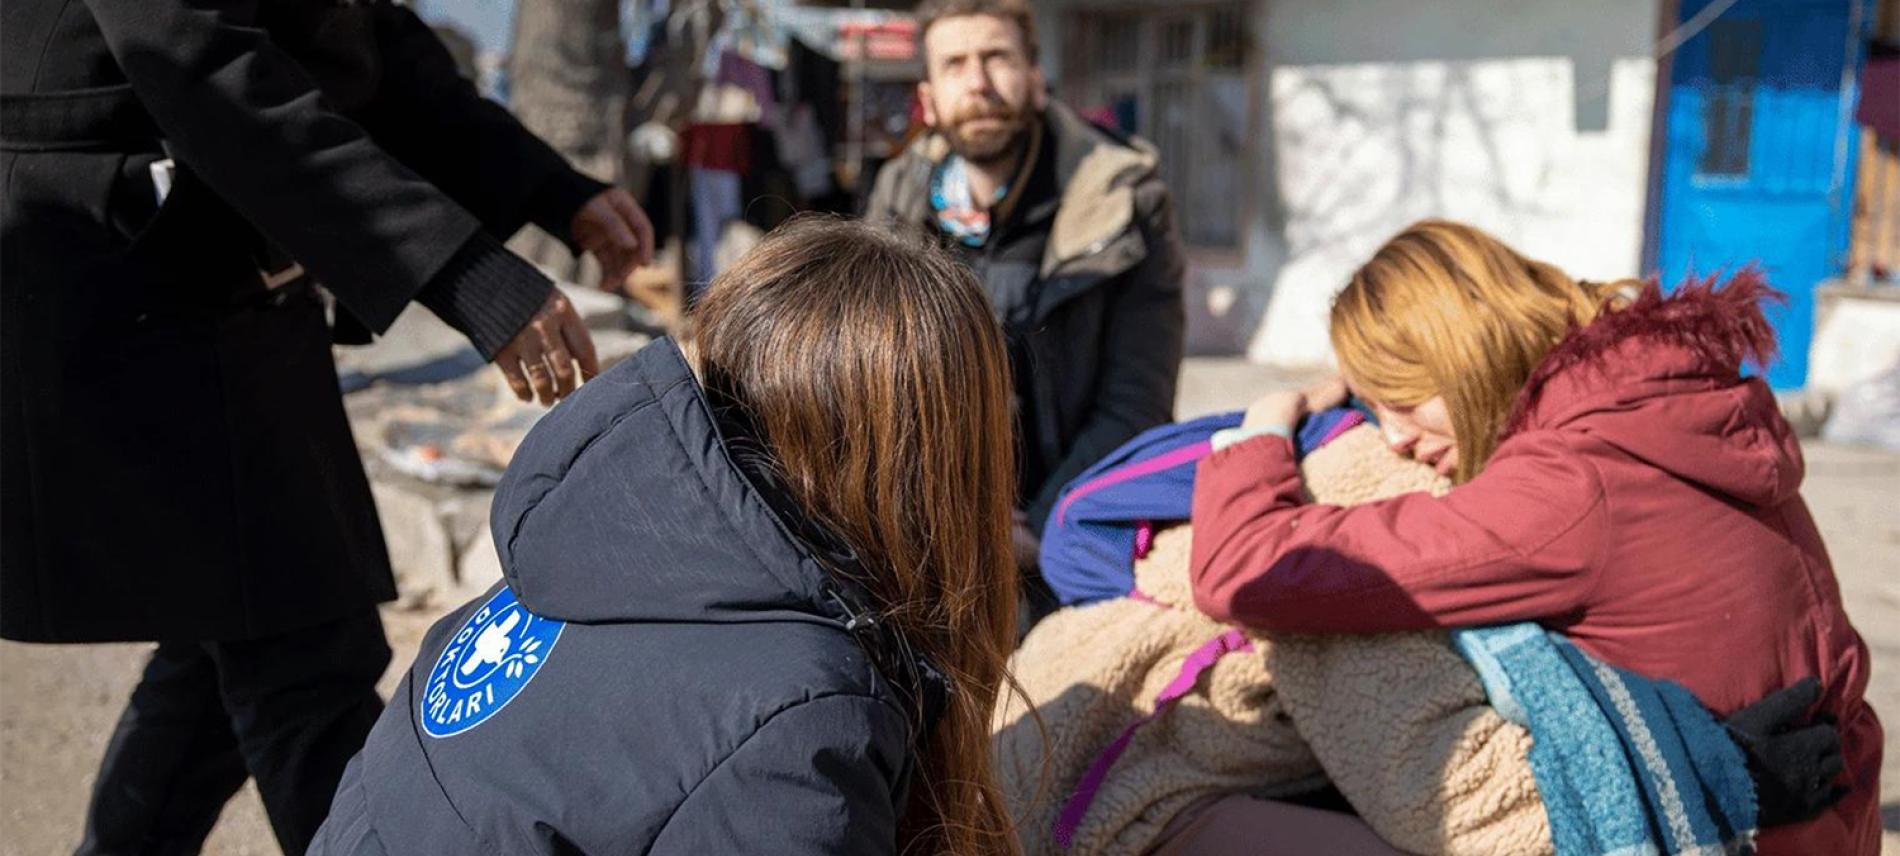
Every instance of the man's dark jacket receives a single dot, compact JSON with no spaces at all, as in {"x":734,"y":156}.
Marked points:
{"x":176,"y":460}
{"x":1085,"y":269}
{"x":705,"y":694}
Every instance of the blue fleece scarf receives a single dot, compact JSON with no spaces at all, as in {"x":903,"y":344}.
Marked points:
{"x":1626,"y":765}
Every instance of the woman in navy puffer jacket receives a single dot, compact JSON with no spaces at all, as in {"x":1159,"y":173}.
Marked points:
{"x":731,"y":622}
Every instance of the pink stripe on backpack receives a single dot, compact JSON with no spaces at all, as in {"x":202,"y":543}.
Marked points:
{"x":1184,"y":682}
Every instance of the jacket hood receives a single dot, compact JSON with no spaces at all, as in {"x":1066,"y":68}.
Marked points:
{"x":625,"y":503}
{"x":1661,"y":380}
{"x":1098,"y":172}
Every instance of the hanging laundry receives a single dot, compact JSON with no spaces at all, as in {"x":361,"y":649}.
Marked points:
{"x":801,"y":146}
{"x":755,"y":80}
{"x":1880,"y":96}
{"x":715,"y":199}
{"x":723,"y":146}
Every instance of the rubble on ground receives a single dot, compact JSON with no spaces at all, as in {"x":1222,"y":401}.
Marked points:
{"x":436,"y":428}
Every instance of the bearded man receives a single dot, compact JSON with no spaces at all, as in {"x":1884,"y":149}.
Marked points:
{"x":1070,"y":229}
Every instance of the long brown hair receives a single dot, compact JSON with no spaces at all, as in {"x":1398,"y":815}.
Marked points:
{"x":874,"y":370}
{"x":1446,"y":309}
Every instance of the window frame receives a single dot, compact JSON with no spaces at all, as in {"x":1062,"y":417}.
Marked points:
{"x":1084,"y":85}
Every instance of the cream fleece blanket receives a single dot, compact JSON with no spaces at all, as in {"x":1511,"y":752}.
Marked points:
{"x":1398,"y":723}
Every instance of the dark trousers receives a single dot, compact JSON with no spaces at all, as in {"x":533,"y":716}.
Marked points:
{"x":290,"y":710}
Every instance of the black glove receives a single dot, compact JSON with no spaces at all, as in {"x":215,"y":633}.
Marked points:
{"x":1794,"y":765}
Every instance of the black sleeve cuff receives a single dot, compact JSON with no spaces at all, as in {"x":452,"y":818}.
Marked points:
{"x":554,"y":205}
{"x":487,"y":293}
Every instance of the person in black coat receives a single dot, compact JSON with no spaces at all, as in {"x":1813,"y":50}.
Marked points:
{"x":757,"y":597}
{"x":174,"y":459}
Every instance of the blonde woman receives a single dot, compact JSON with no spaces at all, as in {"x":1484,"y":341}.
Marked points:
{"x":1619,"y":480}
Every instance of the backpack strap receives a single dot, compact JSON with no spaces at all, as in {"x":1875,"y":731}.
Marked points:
{"x":1184,"y":682}
{"x":1168,"y":460}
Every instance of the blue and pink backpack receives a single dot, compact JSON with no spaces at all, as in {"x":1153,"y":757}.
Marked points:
{"x":1105,"y":520}
{"x":1106,"y":517}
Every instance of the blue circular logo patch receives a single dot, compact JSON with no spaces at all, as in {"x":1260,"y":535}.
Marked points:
{"x":488,"y":662}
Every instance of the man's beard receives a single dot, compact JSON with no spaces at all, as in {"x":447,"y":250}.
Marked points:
{"x":990,"y":146}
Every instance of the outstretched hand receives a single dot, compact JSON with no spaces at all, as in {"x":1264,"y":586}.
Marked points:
{"x":612,"y":228}
{"x":540,"y":361}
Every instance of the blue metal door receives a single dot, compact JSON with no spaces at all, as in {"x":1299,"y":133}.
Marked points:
{"x":1758,"y":162}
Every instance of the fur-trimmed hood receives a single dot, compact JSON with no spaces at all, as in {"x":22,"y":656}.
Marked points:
{"x":1661,"y":380}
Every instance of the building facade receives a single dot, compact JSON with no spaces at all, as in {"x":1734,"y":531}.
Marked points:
{"x":1617,"y":138}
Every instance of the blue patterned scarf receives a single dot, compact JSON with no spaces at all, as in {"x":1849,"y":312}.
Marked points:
{"x":952,"y":197}
{"x":1626,"y":765}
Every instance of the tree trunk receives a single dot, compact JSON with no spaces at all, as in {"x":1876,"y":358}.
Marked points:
{"x":568,"y":83}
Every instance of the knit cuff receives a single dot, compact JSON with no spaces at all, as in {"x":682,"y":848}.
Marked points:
{"x":487,"y":293}
{"x":1260,"y":453}
{"x":1229,"y":436}
{"x":553,"y":206}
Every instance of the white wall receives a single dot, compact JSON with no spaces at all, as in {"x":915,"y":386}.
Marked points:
{"x":1385,"y":111}
{"x":1530,"y":119}
{"x":1856,"y":336}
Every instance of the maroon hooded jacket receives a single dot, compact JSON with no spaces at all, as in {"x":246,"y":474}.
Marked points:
{"x":1643,"y":503}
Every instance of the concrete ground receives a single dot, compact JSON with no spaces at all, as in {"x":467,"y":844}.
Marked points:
{"x":58,"y":704}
